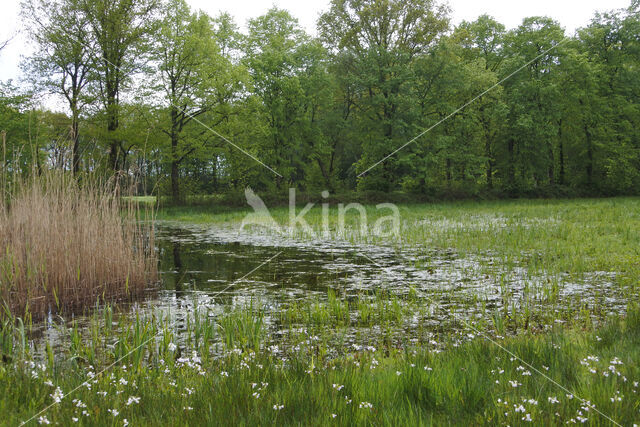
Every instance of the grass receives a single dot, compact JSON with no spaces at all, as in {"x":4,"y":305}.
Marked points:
{"x":376,"y":358}
{"x":575,"y":236}
{"x":64,"y":246}
{"x":217,"y":372}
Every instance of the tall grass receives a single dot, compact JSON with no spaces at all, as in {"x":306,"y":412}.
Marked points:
{"x":65,"y":245}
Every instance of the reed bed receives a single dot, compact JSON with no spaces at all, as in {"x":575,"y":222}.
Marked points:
{"x":63,"y":246}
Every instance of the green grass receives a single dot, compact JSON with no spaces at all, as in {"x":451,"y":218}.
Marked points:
{"x":237,"y":365}
{"x":462,"y":381}
{"x":574,"y":236}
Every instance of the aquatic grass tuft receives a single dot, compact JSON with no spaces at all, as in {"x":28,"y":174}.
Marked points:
{"x":66,"y":245}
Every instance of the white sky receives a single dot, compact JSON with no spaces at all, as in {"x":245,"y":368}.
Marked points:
{"x":571,"y":14}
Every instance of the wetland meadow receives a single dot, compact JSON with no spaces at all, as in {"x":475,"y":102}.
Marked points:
{"x":504,"y":313}
{"x":366,"y":213}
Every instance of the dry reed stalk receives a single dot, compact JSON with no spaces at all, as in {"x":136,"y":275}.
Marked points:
{"x":63,"y":247}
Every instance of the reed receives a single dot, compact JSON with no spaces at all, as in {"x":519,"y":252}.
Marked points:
{"x":63,"y":246}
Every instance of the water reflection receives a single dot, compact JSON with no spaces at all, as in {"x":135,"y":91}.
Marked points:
{"x":200,"y":266}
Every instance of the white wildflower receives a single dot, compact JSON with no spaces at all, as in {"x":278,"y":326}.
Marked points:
{"x":57,"y":395}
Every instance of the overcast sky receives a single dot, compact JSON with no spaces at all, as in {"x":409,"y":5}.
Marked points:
{"x":571,"y":14}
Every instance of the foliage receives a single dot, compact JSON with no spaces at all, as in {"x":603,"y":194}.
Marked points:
{"x":543,"y":112}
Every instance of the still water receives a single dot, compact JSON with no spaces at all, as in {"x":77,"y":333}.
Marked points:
{"x":216,"y":268}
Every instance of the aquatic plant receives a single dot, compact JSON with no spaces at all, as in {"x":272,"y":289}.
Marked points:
{"x":65,"y":245}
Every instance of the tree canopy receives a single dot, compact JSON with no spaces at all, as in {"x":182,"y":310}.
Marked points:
{"x":389,"y":97}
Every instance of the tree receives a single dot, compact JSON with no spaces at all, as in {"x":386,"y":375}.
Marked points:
{"x":276,"y":51}
{"x":383,"y":38}
{"x":64,"y":56}
{"x":121,"y":30}
{"x":533,"y":96}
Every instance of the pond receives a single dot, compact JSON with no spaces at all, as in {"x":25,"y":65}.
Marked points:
{"x":217,"y":268}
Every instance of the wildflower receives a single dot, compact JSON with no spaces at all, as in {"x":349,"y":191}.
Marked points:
{"x":553,"y":400}
{"x":338,"y":387}
{"x":224,"y":373}
{"x":123,"y":381}
{"x":570,"y":396}
{"x":79,"y":403}
{"x":527,"y":418}
{"x":520,"y":408}
{"x":172,"y":347}
{"x":102,"y":393}
{"x":187,"y":408}
{"x":133,"y":399}
{"x":49,"y":383}
{"x":74,"y":419}
{"x":57,"y":395}
{"x":426,"y":368}
{"x":365,"y":405}
{"x":43,"y":420}
{"x":113,"y":412}
{"x":125,"y":422}
{"x":256,"y":395}
{"x":334,"y":415}
{"x":398,"y":373}
{"x":277,"y":407}
{"x":514,"y":384}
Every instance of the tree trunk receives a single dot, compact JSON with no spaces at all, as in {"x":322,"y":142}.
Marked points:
{"x":589,"y":168}
{"x":76,"y":144}
{"x":112,"y":127}
{"x":512,"y":160}
{"x":175,"y":172}
{"x":487,"y":153}
{"x":561,"y":154}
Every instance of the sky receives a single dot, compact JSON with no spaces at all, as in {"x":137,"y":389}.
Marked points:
{"x":572,"y":14}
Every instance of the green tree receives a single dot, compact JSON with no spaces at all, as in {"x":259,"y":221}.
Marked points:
{"x":383,"y":38}
{"x":64,"y":56}
{"x":121,"y":30}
